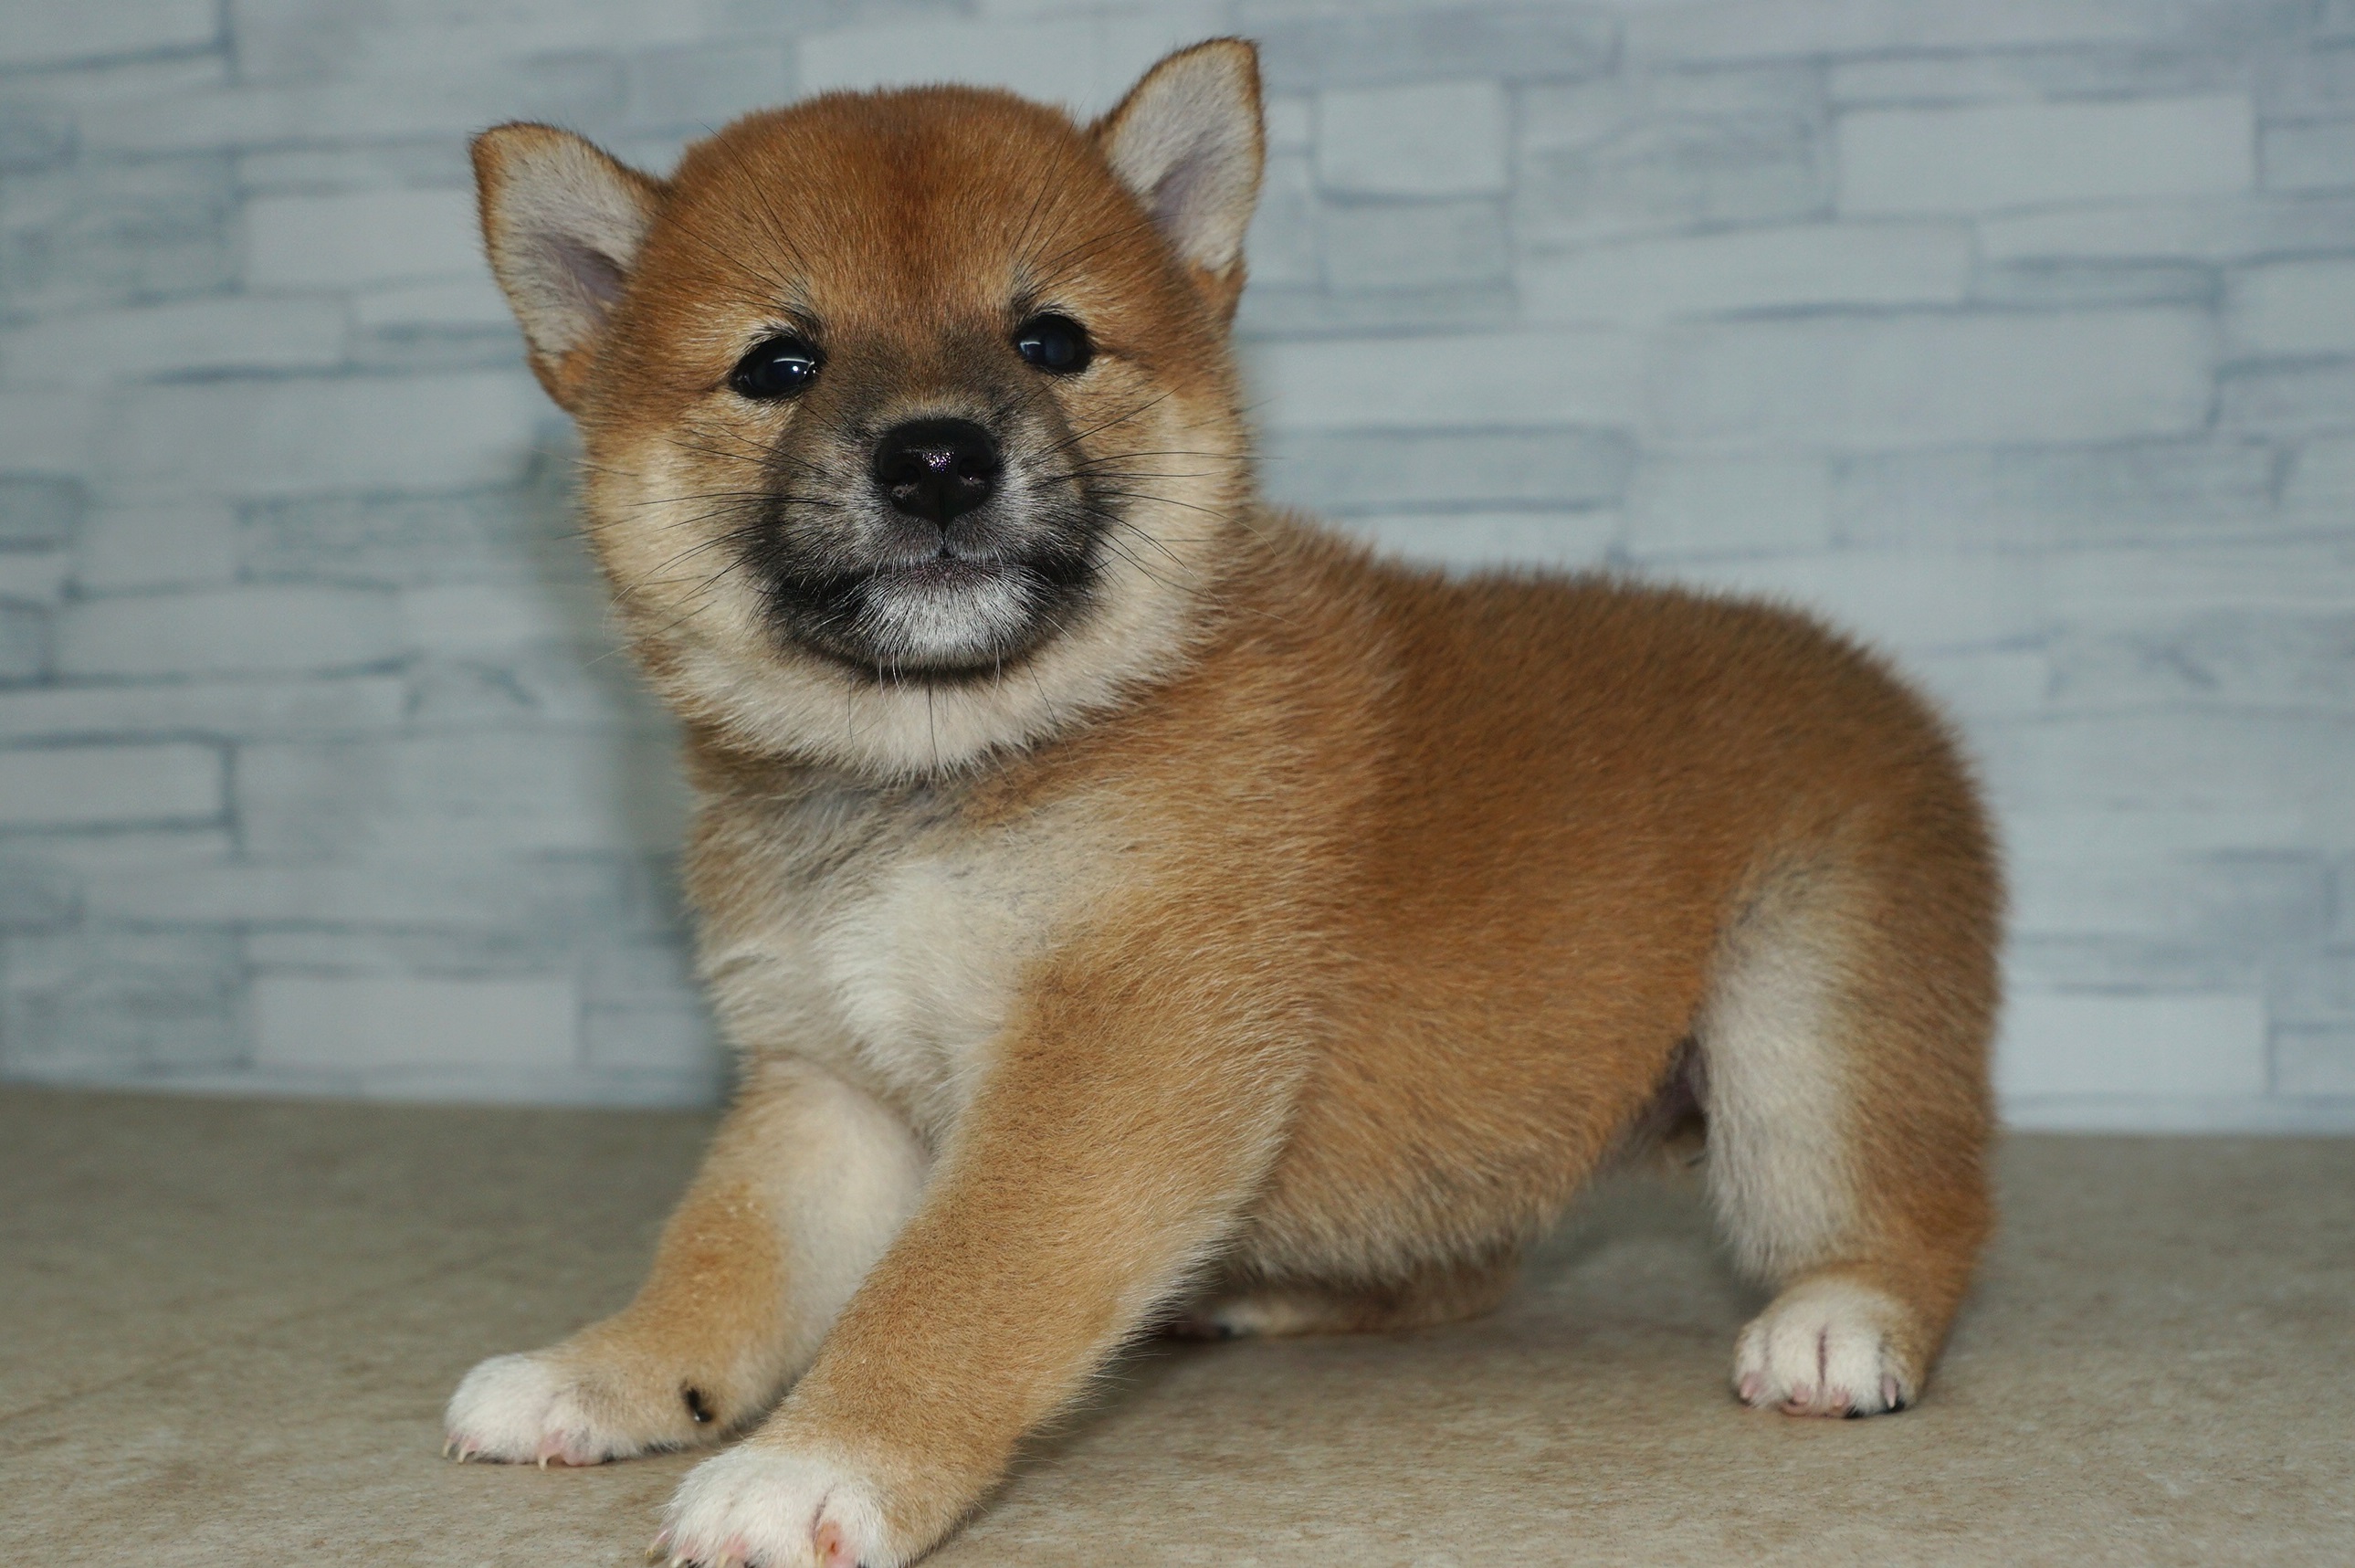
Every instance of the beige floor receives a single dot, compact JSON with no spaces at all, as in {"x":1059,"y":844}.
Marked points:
{"x":227,"y":1329}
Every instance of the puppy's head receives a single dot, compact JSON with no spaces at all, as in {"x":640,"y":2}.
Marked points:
{"x":910,"y":420}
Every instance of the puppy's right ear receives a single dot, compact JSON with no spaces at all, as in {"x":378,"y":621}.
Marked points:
{"x":562,"y":223}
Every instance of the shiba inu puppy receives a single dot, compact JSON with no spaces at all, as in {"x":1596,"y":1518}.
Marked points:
{"x":1134,"y":906}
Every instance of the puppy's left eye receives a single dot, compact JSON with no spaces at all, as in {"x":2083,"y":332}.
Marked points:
{"x":1055,"y":344}
{"x":779,"y":368}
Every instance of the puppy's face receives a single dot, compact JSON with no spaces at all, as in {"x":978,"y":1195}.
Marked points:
{"x":909,"y":417}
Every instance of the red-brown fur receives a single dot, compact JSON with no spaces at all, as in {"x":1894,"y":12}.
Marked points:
{"x":1341,"y":932}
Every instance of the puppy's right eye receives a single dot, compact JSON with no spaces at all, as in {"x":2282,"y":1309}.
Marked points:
{"x":778,"y":368}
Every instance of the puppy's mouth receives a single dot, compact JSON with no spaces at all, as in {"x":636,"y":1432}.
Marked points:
{"x":943,"y":573}
{"x":948,"y":615}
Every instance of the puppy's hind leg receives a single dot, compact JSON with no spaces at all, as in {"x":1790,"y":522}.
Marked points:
{"x":806,"y":1183}
{"x":1843,"y":1047}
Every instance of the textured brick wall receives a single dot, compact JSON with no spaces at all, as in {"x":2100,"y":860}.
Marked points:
{"x":2018,"y":333}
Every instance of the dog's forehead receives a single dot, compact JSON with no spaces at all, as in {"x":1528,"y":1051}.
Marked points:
{"x":921,"y":201}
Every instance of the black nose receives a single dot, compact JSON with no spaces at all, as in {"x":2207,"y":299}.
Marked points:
{"x":937,"y":469}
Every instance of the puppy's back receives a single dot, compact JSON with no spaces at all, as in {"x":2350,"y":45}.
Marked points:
{"x":1581,"y":792}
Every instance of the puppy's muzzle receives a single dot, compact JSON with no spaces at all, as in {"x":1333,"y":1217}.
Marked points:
{"x":937,"y":470}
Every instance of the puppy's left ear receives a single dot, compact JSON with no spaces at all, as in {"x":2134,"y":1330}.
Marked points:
{"x":1188,"y":142}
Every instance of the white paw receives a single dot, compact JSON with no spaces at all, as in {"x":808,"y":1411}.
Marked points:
{"x":536,"y":1408}
{"x":768,"y":1506}
{"x":1823,"y":1349}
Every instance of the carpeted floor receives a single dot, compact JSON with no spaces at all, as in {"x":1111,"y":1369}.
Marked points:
{"x":227,"y":1330}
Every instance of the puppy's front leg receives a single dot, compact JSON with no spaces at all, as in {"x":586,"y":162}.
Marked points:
{"x":1098,"y":1166}
{"x":805,"y":1182}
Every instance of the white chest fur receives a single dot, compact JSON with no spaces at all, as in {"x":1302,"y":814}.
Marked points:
{"x":889,"y":947}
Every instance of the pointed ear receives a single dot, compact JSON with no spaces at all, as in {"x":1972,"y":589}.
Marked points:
{"x":1188,"y":142}
{"x":562,"y":223}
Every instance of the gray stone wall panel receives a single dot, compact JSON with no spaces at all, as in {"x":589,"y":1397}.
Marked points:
{"x":2019,"y":338}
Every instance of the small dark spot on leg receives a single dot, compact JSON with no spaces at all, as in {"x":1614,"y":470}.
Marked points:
{"x":696,"y":1407}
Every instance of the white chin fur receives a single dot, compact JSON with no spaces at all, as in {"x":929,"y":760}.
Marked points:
{"x":935,"y":626}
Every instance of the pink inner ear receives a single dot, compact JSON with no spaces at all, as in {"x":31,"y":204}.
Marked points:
{"x":1177,"y":188}
{"x":591,"y":274}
